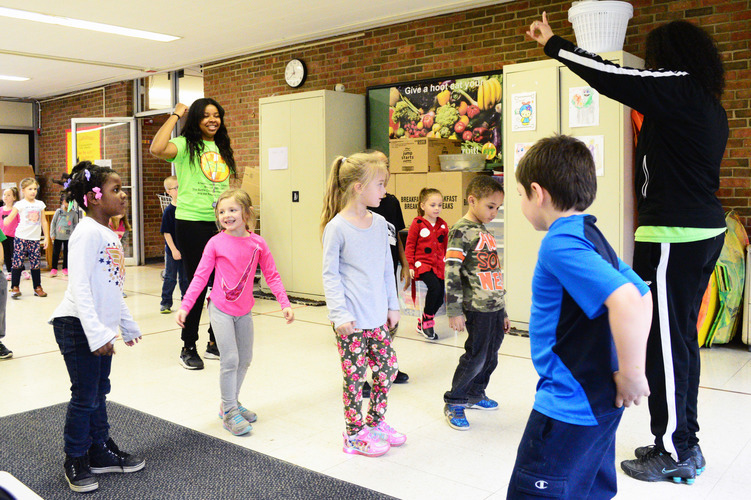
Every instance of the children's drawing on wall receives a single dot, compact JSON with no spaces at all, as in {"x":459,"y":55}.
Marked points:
{"x":583,"y":107}
{"x":524,"y":108}
{"x":595,"y":143}
{"x":519,"y":149}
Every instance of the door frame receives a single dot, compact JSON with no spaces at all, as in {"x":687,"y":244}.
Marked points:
{"x":136,"y":188}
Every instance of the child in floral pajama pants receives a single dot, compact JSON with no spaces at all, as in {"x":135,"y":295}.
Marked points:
{"x":374,"y":347}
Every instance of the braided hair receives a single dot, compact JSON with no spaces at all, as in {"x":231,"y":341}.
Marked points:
{"x":84,"y":178}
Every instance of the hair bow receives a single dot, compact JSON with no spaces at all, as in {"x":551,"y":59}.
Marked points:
{"x":87,"y":174}
{"x":97,"y":192}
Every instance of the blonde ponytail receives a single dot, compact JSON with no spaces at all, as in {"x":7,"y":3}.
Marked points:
{"x":345,"y":173}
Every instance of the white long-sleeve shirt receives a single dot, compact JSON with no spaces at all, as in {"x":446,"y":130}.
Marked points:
{"x":96,"y":266}
{"x":358,"y":273}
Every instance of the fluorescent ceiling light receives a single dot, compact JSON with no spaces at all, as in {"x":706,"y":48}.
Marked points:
{"x":14,"y":78}
{"x":86,"y":25}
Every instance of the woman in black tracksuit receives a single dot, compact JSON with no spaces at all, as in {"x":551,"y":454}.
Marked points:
{"x":681,"y":221}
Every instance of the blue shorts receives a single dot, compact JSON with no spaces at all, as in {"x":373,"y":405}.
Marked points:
{"x":560,"y":460}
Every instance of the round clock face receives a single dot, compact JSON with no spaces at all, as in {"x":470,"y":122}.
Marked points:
{"x":295,"y":73}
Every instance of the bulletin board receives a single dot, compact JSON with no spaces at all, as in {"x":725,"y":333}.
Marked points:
{"x":467,"y":108}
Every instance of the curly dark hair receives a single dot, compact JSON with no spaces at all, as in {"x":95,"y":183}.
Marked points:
{"x":79,"y":184}
{"x":682,"y":46}
{"x":194,"y":137}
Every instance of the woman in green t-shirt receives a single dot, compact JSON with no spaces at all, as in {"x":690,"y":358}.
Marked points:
{"x":204,"y":160}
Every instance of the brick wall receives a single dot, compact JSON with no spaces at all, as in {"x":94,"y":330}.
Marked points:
{"x":481,"y":40}
{"x":472,"y":41}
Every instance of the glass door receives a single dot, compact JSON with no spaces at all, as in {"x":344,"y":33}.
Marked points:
{"x":111,"y":142}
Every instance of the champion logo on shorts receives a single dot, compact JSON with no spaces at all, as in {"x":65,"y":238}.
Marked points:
{"x":541,"y":485}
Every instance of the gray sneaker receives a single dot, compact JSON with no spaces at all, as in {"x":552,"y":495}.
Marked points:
{"x":248,"y":415}
{"x":235,"y":423}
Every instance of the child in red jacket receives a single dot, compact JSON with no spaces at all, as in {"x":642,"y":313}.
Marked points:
{"x":426,"y":250}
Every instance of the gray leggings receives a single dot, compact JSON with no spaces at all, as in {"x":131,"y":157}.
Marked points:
{"x":234,"y":337}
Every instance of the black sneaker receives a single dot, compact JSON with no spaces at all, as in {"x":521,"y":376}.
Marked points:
{"x":190,"y":359}
{"x":78,"y":474}
{"x":366,"y":390}
{"x":428,"y":333}
{"x":655,"y":465}
{"x":5,"y":353}
{"x":212,"y":351}
{"x":401,"y":377}
{"x":699,"y":462}
{"x":107,"y":457}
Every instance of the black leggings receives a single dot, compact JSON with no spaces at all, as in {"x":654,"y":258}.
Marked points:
{"x":436,"y":291}
{"x":8,"y":253}
{"x":191,"y":238}
{"x":56,"y":248}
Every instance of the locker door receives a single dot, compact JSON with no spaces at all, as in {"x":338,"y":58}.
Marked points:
{"x":611,"y":186}
{"x":275,"y":186}
{"x":521,"y":240}
{"x":307,"y":180}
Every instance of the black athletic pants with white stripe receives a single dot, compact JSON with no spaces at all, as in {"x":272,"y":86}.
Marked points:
{"x":677,"y":275}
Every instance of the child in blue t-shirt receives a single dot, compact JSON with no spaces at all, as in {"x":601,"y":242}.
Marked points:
{"x":588,"y":331}
{"x":173,"y":261}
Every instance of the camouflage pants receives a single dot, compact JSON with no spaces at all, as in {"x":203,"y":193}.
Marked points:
{"x":359,"y":350}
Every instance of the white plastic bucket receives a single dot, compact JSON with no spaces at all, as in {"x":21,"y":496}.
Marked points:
{"x":600,"y":26}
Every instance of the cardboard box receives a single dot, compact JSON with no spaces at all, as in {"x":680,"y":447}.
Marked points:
{"x":453,"y":186}
{"x":419,"y":155}
{"x":407,"y":190}
{"x":391,"y":185}
{"x":12,"y":175}
{"x":251,"y":184}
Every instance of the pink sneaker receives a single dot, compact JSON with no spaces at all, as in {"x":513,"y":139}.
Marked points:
{"x":25,"y":275}
{"x":388,"y":433}
{"x":53,"y":273}
{"x":65,"y":271}
{"x":365,"y":443}
{"x":8,"y":276}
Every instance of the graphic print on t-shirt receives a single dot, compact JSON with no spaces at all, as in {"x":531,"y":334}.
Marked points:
{"x":233,"y":293}
{"x":213,"y":166}
{"x":488,"y":267}
{"x":113,"y":259}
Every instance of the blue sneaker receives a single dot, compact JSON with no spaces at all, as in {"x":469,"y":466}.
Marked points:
{"x":485,"y":403}
{"x":455,"y":417}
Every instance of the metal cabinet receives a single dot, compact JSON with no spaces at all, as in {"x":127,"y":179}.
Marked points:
{"x":310,"y":129}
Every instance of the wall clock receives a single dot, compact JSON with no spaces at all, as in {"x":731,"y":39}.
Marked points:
{"x":295,"y":73}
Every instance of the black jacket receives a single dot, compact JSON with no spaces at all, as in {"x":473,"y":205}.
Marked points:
{"x":681,"y":143}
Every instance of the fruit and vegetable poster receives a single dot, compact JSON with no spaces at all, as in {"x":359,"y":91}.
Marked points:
{"x":466,"y":108}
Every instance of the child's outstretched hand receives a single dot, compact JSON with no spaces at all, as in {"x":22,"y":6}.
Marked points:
{"x":630,"y":389}
{"x":392,"y":319}
{"x":133,"y":342}
{"x":289,"y":314}
{"x":456,"y":323}
{"x":180,"y":317}
{"x":346,"y":328}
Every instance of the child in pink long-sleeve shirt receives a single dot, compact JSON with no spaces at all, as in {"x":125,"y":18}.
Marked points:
{"x":233,"y":256}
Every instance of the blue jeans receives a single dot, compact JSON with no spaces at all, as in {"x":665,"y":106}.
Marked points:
{"x":172,"y":270}
{"x":480,"y":358}
{"x":86,"y":420}
{"x":566,"y":461}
